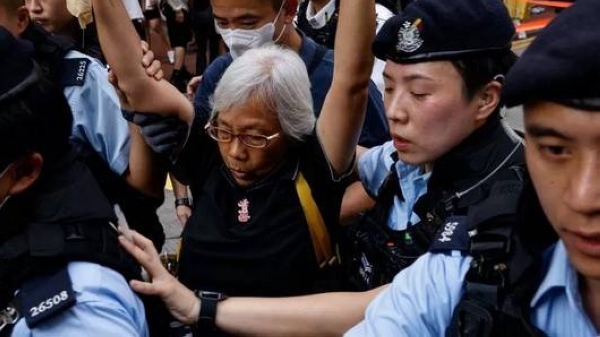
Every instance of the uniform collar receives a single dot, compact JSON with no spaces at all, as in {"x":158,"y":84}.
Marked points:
{"x":560,"y":276}
{"x":321,"y":18}
{"x":410,"y":177}
{"x":474,"y":158}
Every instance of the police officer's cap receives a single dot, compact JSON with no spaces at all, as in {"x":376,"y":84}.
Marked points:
{"x":563,"y":63}
{"x":430,"y":30}
{"x":17,"y":70}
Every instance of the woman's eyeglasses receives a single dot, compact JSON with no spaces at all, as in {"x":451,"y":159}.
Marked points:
{"x":223,"y":135}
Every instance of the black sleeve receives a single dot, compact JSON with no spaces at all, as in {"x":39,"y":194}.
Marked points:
{"x":196,"y":157}
{"x":326,"y":186}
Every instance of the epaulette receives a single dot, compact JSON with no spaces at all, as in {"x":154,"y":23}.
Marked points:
{"x":74,"y":71}
{"x":47,"y":296}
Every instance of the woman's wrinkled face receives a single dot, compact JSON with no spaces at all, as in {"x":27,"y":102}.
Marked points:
{"x":427,"y":109}
{"x":248,"y":164}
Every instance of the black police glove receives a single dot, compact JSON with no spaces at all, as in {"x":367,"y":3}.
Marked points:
{"x":164,"y":135}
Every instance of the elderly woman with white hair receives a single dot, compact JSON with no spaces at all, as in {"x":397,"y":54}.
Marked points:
{"x":267,"y":178}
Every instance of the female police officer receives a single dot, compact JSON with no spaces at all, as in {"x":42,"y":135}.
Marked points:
{"x":556,"y":80}
{"x":449,"y":146}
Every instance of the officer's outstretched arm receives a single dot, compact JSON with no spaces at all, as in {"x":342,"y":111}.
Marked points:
{"x":120,"y":45}
{"x":329,"y":314}
{"x":343,"y":113}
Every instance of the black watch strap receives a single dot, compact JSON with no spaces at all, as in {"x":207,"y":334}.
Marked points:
{"x":182,"y":202}
{"x":208,"y":309}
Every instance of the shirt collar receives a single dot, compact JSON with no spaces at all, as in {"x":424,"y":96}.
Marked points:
{"x":320,"y":19}
{"x":560,"y":276}
{"x":410,"y":177}
{"x":476,"y":156}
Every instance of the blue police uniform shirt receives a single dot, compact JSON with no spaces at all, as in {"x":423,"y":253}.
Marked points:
{"x":105,"y":306}
{"x":374,"y":166}
{"x":375,"y":130}
{"x":97,"y":119}
{"x":421,"y":299}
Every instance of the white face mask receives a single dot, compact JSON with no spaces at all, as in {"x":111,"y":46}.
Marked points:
{"x":241,"y":40}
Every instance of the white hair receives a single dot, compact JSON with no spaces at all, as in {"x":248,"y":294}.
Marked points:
{"x":278,"y":78}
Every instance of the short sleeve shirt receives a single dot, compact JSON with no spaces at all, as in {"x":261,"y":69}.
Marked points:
{"x":97,"y":119}
{"x":374,"y":166}
{"x":422,"y":298}
{"x":254,"y":240}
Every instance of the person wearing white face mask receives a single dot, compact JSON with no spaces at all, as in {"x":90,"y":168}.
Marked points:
{"x":246,"y":24}
{"x":240,"y":40}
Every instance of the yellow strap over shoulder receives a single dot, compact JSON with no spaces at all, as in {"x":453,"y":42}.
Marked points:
{"x":316,"y":225}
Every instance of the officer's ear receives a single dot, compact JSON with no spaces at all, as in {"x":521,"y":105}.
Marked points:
{"x":487,"y":100}
{"x":22,"y":19}
{"x":25,"y":172}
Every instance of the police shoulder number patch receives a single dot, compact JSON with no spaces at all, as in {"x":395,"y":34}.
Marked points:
{"x":74,"y":71}
{"x":452,"y":235}
{"x":47,"y":296}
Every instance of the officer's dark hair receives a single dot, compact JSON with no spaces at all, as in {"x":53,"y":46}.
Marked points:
{"x":37,"y":119}
{"x":477,"y":71}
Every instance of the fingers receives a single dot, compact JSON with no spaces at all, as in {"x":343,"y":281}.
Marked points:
{"x":145,"y":46}
{"x":133,"y":250}
{"x":193,"y":85}
{"x":144,"y":287}
{"x":143,"y":251}
{"x":153,"y":66}
{"x":156,"y":71}
{"x":183,"y":214}
{"x":147,"y":59}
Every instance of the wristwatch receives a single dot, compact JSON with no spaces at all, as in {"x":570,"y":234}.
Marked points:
{"x":208,"y":309}
{"x":182,"y":202}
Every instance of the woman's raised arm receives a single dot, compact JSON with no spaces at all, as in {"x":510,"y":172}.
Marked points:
{"x":343,"y":113}
{"x":120,"y":45}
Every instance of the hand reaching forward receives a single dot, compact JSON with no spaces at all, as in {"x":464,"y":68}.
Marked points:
{"x":179,"y":300}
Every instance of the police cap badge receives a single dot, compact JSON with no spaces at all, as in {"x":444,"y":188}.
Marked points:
{"x":445,"y":29}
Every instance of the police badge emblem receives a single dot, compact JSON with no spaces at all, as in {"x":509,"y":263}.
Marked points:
{"x":409,"y":37}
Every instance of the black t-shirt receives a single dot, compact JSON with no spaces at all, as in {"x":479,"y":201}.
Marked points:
{"x":253,"y":241}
